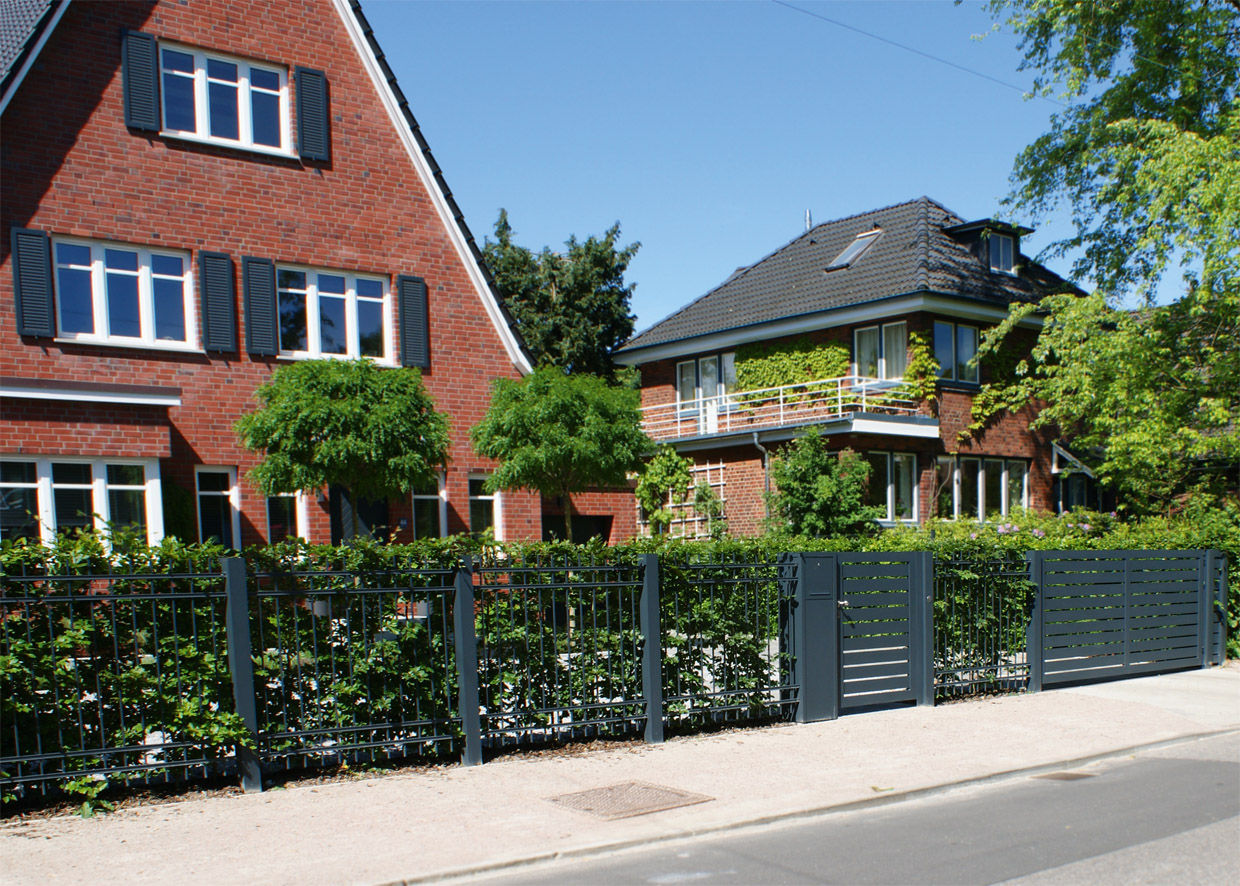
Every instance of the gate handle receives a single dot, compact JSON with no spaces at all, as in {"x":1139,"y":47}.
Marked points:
{"x":841,"y":603}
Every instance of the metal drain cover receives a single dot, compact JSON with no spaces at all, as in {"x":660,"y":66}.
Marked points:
{"x":1065,"y":776}
{"x":627,"y":799}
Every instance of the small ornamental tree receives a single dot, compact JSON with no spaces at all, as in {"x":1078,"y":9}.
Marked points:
{"x":557,"y":434}
{"x":664,"y":481}
{"x":821,"y":493}
{"x":352,"y":423}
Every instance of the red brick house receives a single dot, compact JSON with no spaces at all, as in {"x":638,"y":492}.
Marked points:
{"x":856,"y":293}
{"x":194,"y":194}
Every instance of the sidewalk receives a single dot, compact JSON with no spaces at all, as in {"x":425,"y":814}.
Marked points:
{"x":427,"y":824}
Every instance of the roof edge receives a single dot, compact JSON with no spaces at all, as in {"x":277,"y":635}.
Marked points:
{"x":30,"y":52}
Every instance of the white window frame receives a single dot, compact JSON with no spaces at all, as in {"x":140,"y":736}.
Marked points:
{"x":881,"y":331}
{"x":890,"y":519}
{"x":153,"y":499}
{"x":497,"y":512}
{"x":300,"y":515}
{"x":245,"y":121}
{"x":233,"y":495}
{"x":977,"y":511}
{"x":725,"y":369}
{"x":441,"y":497}
{"x":314,"y":338}
{"x":949,"y":372}
{"x":146,"y":296}
{"x":1002,"y":240}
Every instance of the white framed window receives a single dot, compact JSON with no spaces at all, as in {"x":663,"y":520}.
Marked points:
{"x":705,"y":378}
{"x":430,"y":509}
{"x":980,"y":489}
{"x":881,"y":351}
{"x":41,"y":496}
{"x":224,"y":100}
{"x":218,"y":506}
{"x":286,"y":517}
{"x":333,"y":314}
{"x":893,"y":485}
{"x":955,"y":345}
{"x":112,"y":293}
{"x":1002,"y":253}
{"x":484,"y":509}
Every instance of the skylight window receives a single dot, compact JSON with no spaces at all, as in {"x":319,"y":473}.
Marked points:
{"x":854,"y":250}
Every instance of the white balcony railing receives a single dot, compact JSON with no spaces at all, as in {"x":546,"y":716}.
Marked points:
{"x":785,"y":406}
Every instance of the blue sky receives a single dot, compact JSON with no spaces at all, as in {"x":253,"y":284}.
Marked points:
{"x":707,"y":129}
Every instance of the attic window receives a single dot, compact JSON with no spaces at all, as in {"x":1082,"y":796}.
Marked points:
{"x":1001,"y":253}
{"x":854,"y":250}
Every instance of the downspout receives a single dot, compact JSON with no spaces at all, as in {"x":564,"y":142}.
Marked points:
{"x":766,"y":475}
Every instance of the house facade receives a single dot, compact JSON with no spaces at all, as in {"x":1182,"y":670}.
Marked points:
{"x":830,"y":332}
{"x":195,"y":194}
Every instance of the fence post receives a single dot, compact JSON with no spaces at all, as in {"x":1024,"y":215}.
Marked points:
{"x":652,"y":649}
{"x":466,"y":638}
{"x":1033,"y":633}
{"x":1219,"y":605}
{"x":921,"y":626}
{"x":241,"y":666}
{"x":816,"y":626}
{"x":1205,"y":567}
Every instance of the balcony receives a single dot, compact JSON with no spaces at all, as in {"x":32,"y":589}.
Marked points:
{"x":859,"y":404}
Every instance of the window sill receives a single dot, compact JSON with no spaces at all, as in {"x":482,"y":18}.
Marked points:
{"x":386,"y":362}
{"x":131,"y":344}
{"x":968,"y":387}
{"x":264,"y":150}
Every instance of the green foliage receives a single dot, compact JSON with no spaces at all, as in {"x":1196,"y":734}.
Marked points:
{"x":571,"y":308}
{"x":762,"y":365}
{"x":921,"y":375}
{"x":180,"y":517}
{"x":320,"y":422}
{"x":558,"y":434}
{"x":664,"y":482}
{"x":1145,"y":152}
{"x":708,"y":506}
{"x":820,"y":493}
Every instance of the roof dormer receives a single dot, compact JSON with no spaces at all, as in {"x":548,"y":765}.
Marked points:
{"x":994,"y":243}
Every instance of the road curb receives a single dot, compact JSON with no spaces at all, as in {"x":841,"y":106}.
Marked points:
{"x":782,"y":817}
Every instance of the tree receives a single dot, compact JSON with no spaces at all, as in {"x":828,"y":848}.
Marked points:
{"x":1147,"y":157}
{"x":664,"y":482}
{"x":352,"y":423}
{"x":557,"y":434}
{"x":820,"y":493}
{"x":572,"y":308}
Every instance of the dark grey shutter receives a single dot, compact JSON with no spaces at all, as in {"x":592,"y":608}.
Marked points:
{"x":258,"y":282}
{"x":219,"y":302}
{"x":140,"y":80}
{"x":313,"y":130}
{"x":415,"y":344}
{"x":32,"y":282}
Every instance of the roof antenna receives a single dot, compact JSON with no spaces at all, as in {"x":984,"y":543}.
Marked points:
{"x":809,"y":221}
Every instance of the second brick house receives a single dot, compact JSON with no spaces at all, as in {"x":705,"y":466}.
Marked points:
{"x":822,"y":333}
{"x":193,"y":195}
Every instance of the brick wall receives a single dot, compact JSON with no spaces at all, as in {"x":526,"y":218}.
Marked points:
{"x":80,"y":172}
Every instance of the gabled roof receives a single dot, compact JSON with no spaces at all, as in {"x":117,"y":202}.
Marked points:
{"x":913,"y":254}
{"x":26,"y":24}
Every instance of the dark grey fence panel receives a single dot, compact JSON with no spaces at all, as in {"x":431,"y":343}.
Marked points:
{"x":1106,"y":614}
{"x":559,"y":648}
{"x":354,"y":666}
{"x":99,"y":672}
{"x":880,"y":639}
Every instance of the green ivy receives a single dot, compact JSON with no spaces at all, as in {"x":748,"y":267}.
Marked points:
{"x":774,"y":365}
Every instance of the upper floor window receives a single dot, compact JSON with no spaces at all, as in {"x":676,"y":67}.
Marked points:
{"x":703,"y":379}
{"x":1002,"y":253}
{"x":224,"y":100}
{"x":123,"y":295}
{"x":881,"y":351}
{"x":327,"y":314}
{"x":955,"y":346}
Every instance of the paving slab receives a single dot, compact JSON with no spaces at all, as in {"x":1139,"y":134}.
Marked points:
{"x":434,"y":823}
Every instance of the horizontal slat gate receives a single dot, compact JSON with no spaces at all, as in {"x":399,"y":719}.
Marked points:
{"x":875,"y":592}
{"x":1120,"y":613}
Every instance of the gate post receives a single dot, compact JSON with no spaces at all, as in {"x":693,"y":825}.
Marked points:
{"x":1205,"y":572}
{"x":1219,"y":605}
{"x":816,"y":624}
{"x":241,"y":666}
{"x":466,"y":638}
{"x":652,"y":649}
{"x":1034,"y":651}
{"x":921,"y":626}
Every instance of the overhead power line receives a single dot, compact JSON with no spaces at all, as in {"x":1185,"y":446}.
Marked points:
{"x":915,"y":51}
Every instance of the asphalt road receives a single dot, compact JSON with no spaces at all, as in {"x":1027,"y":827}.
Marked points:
{"x":1170,"y":815}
